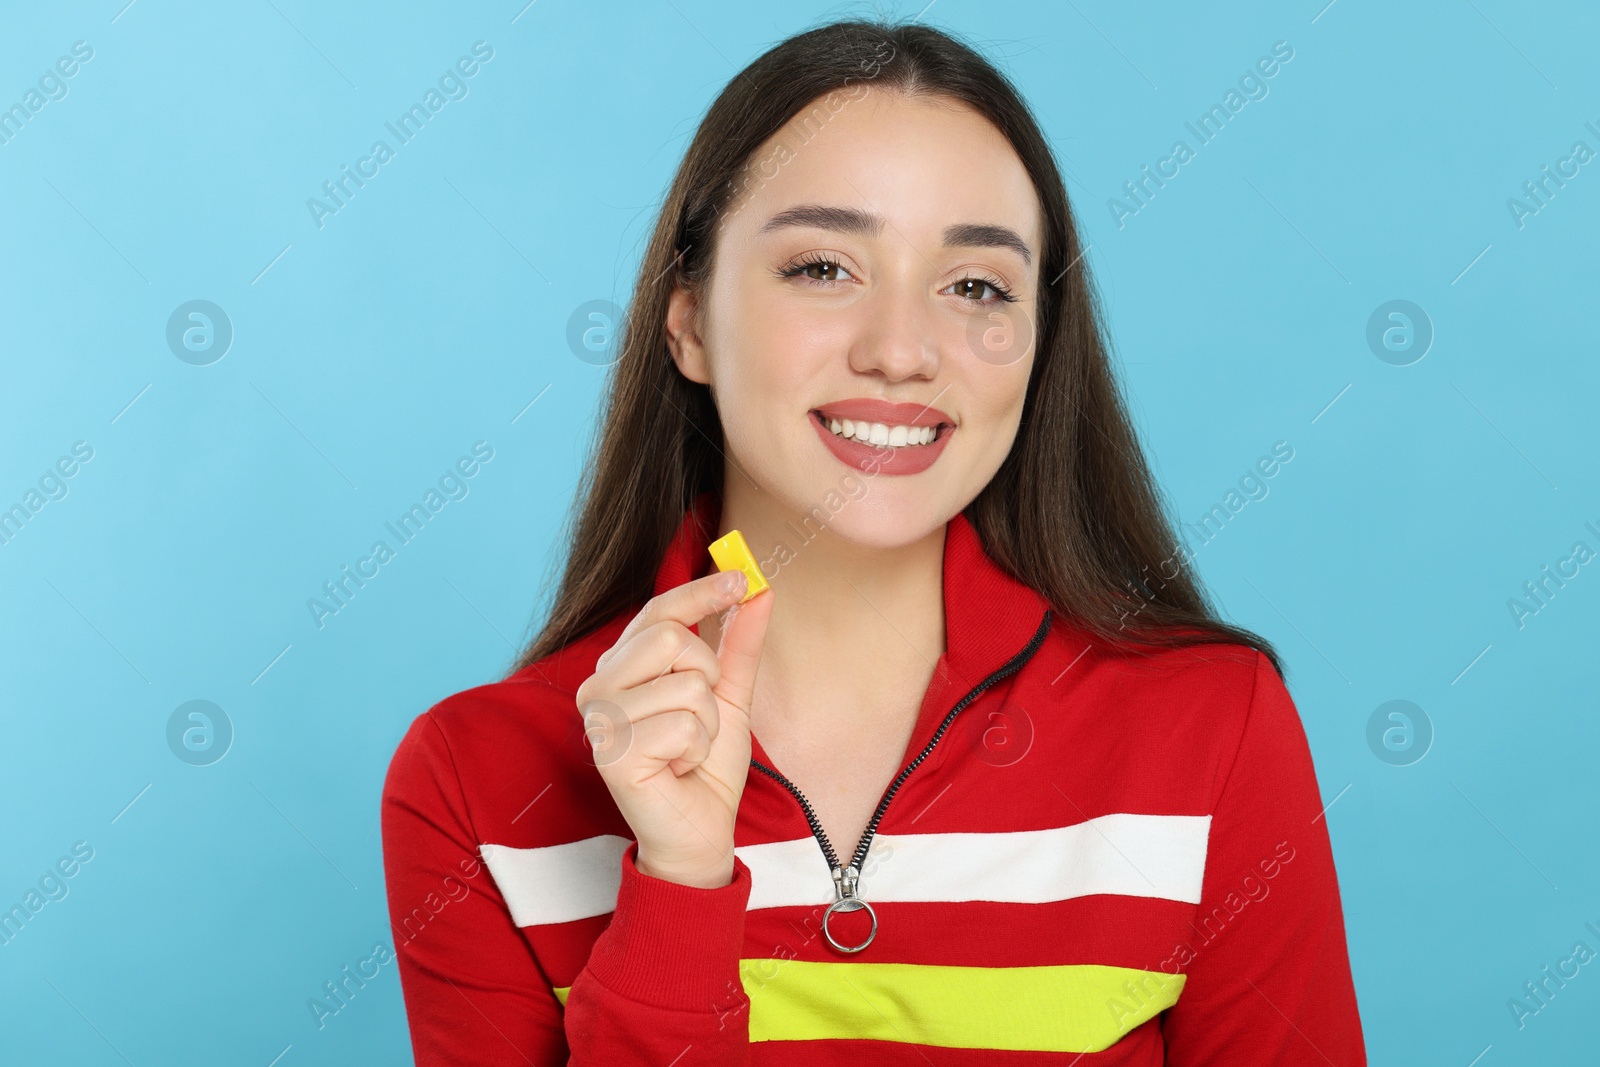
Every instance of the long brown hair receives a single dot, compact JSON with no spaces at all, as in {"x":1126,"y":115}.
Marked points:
{"x":1072,"y":512}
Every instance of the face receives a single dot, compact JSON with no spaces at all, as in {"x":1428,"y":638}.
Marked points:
{"x":882,"y":277}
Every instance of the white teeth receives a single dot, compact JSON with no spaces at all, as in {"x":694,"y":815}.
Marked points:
{"x":880,"y":434}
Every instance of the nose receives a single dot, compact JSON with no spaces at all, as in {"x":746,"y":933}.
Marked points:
{"x":900,"y":340}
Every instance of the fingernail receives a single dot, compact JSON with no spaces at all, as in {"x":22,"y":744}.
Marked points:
{"x":731,"y":582}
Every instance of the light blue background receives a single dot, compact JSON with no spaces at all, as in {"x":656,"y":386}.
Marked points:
{"x":430,"y":311}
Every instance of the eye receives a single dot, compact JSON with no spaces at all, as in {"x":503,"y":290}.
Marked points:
{"x":830,"y":268}
{"x":967,"y":286}
{"x":825,"y":264}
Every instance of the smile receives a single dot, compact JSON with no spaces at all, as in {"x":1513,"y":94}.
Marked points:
{"x":877,"y":433}
{"x":879,"y":447}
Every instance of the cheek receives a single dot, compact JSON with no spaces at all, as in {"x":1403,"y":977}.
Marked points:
{"x":997,"y":394}
{"x":993,"y":411}
{"x":750,"y":382}
{"x":770,"y":353}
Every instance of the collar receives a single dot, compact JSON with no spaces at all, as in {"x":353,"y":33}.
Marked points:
{"x":989,"y":615}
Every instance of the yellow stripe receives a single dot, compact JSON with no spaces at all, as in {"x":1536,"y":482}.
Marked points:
{"x":1071,"y":1008}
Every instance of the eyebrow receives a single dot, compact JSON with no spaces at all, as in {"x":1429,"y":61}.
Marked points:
{"x":870,"y":224}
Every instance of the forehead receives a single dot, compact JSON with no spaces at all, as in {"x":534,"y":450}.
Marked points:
{"x":923,"y":163}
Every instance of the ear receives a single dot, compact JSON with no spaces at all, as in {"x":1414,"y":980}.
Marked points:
{"x":688,"y":352}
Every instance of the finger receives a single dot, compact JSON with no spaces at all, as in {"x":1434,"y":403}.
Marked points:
{"x":686,"y":604}
{"x":679,"y":691}
{"x":651,"y":653}
{"x":739,"y":652}
{"x":611,"y":724}
{"x":675,"y":738}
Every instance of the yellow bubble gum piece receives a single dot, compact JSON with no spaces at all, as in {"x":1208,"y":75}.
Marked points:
{"x":731,"y":553}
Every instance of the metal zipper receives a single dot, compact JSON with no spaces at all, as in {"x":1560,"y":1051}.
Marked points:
{"x":846,"y":876}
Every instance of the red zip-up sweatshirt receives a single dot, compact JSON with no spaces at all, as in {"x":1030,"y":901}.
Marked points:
{"x":1090,"y":856}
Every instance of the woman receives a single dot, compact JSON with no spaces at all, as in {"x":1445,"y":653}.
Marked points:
{"x":1083,"y":812}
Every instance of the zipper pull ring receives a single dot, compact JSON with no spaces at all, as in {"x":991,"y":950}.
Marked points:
{"x":844,"y":883}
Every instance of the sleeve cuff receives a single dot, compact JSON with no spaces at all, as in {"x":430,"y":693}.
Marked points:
{"x":674,"y":946}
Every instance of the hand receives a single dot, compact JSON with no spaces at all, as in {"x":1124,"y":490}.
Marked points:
{"x":669,"y":721}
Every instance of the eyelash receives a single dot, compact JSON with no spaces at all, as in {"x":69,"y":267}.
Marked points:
{"x":1004,"y":294}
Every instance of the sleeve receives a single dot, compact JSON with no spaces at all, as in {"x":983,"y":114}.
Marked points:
{"x":474,"y":992}
{"x":1268,"y":970}
{"x":661,"y":984}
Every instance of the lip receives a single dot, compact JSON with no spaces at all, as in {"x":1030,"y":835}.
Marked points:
{"x":871,"y":409}
{"x":909,"y":459}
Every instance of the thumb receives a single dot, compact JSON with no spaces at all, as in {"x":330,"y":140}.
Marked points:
{"x":744,"y":634}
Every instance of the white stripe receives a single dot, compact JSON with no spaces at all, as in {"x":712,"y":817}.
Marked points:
{"x":785,"y":874}
{"x":1128,"y":855}
{"x":1160,"y":856}
{"x":559,"y":883}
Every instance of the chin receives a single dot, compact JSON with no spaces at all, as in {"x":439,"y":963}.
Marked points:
{"x":875,"y":511}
